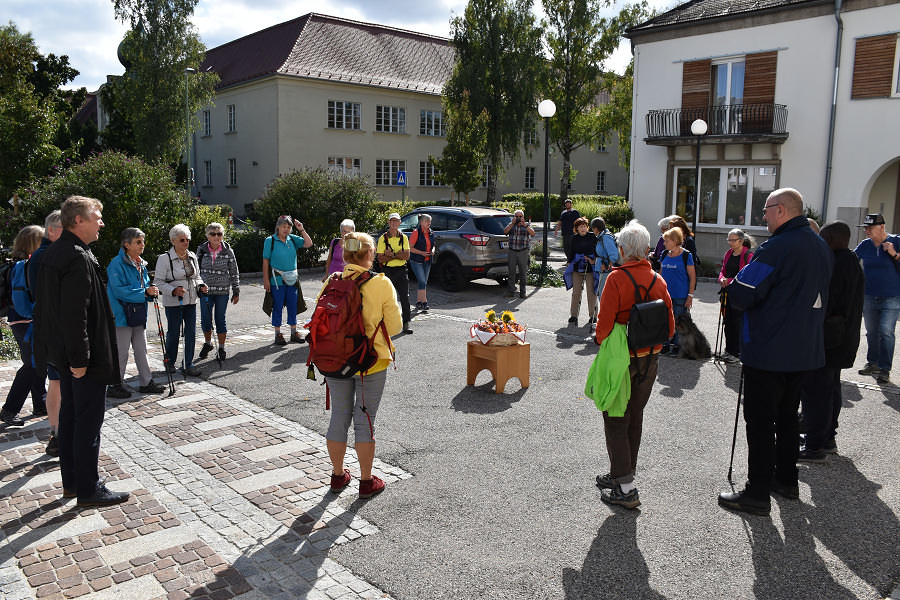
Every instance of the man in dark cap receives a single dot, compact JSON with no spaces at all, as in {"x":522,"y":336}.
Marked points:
{"x":880,"y":256}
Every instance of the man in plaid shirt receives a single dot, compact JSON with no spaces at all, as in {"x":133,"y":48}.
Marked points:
{"x":519,"y":232}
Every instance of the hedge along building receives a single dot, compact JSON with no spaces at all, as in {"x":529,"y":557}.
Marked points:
{"x":763,"y":75}
{"x":355,"y":98}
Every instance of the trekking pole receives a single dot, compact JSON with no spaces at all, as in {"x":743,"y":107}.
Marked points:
{"x":162,"y":343}
{"x":181,"y":334}
{"x":736,"y":415}
{"x":720,"y":327}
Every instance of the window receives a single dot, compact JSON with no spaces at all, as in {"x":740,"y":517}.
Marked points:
{"x":431,"y":122}
{"x":344,"y":165}
{"x":529,"y":178}
{"x":896,"y":85}
{"x":232,"y":171}
{"x":231,"y":124}
{"x":207,"y":173}
{"x":601,"y":147}
{"x":569,"y":185}
{"x":875,"y":67}
{"x":428,"y":173}
{"x":531,"y":137}
{"x":390,"y":119}
{"x":726,"y":95}
{"x":601,"y":181}
{"x":729,"y":196}
{"x":485,"y":175}
{"x":343,"y":115}
{"x":386,"y":171}
{"x":207,"y":126}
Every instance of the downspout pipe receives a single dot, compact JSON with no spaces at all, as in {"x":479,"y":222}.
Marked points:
{"x":837,"y":71}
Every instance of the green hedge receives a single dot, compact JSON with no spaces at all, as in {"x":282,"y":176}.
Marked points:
{"x":533,"y":204}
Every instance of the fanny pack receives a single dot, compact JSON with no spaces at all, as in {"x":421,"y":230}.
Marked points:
{"x":288,"y":277}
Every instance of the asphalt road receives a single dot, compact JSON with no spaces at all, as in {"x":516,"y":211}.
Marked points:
{"x":502,"y":503}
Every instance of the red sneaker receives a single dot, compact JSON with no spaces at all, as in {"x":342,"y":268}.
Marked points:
{"x":369,"y":488}
{"x":339,"y":482}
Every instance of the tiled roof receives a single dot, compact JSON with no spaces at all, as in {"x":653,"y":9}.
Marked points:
{"x":703,"y":10}
{"x":333,"y":49}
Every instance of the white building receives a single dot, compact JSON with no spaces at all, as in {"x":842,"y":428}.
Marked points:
{"x":354,"y":97}
{"x":762,"y":74}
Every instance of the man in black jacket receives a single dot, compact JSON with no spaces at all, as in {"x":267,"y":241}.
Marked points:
{"x":783,"y":293}
{"x":75,"y":332}
{"x":821,"y":392}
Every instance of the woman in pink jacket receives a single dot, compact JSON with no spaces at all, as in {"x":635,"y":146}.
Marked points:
{"x":736,"y":258}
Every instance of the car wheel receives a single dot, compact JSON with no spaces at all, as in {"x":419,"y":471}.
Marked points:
{"x":450,"y":275}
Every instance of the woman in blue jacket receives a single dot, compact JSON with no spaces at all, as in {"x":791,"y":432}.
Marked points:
{"x":129,"y":282}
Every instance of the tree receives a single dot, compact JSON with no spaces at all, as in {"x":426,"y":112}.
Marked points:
{"x":498,"y":63}
{"x":460,"y":163}
{"x":616,"y":114}
{"x":150,"y":97}
{"x":578,"y":43}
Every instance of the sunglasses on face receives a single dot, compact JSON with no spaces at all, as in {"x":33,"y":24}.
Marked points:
{"x":184,"y":240}
{"x":215,"y":233}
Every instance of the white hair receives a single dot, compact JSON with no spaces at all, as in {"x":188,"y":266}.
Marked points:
{"x":633,"y":241}
{"x":348,"y":223}
{"x":179,"y":230}
{"x":664,"y":222}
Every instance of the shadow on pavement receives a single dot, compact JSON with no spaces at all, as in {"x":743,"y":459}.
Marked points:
{"x":614,"y":566}
{"x":481,"y":399}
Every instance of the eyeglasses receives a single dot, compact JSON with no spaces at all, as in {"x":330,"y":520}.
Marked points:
{"x":184,"y":240}
{"x":215,"y":233}
{"x":765,"y":208}
{"x":730,"y":240}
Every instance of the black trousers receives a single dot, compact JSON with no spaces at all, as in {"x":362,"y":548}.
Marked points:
{"x":80,"y":418}
{"x":27,"y":380}
{"x":731,"y":322}
{"x":771,"y":400}
{"x":821,"y":399}
{"x":400,"y":278}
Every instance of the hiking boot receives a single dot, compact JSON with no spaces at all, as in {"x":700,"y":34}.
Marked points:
{"x":883,"y":376}
{"x":339,"y":482}
{"x":425,"y":307}
{"x":869,"y":369}
{"x":791,"y":492}
{"x":573,"y":319}
{"x":418,"y":306}
{"x":296,"y":339}
{"x":205,"y":350}
{"x":370,"y":487}
{"x":617,"y":496}
{"x":279,"y":340}
{"x":52,"y":446}
{"x":39,"y":411}
{"x":71,"y":493}
{"x":221,"y":354}
{"x":521,"y":294}
{"x":830,"y":446}
{"x":741,"y":502}
{"x":117,"y":391}
{"x":152,"y":388}
{"x":605,"y":482}
{"x":192,"y":371}
{"x":171,"y":368}
{"x":406,"y":328}
{"x":103,"y":497}
{"x":812,"y":456}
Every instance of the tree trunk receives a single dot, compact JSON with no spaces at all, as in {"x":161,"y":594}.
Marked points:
{"x":564,"y":180}
{"x":491,"y":188}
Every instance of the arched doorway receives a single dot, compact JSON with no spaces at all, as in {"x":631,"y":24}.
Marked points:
{"x":884,"y":194}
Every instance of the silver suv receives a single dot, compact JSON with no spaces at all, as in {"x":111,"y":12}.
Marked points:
{"x":469,"y":242}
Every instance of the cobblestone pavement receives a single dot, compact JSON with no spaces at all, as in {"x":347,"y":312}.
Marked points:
{"x":227,"y":500}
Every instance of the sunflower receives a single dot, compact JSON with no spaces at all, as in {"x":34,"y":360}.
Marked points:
{"x":507,"y":317}
{"x":490,"y":316}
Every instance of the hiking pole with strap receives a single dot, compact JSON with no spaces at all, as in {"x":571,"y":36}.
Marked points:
{"x":162,"y":343}
{"x":736,"y":416}
{"x":181,"y":334}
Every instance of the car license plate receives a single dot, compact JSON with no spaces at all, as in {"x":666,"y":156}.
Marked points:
{"x":504,"y":245}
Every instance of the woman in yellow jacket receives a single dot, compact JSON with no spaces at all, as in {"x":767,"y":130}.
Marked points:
{"x":349,"y":396}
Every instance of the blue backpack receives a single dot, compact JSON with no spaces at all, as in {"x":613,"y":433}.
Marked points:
{"x":20,"y":290}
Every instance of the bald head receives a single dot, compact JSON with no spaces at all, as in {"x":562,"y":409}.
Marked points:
{"x":782,"y":205}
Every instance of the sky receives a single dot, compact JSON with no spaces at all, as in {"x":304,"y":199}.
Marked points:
{"x":87,"y":31}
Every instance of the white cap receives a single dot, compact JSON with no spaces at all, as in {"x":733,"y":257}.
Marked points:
{"x":394,"y":216}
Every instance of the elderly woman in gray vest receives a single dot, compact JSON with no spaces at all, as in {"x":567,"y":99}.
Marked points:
{"x":180,"y":285}
{"x":219,"y":270}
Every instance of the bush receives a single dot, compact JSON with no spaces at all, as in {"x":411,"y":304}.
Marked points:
{"x":552,"y":277}
{"x":247,"y":245}
{"x":320,"y":200}
{"x":9,"y":349}
{"x":532,"y":204}
{"x":133,"y":193}
{"x":616,"y":216}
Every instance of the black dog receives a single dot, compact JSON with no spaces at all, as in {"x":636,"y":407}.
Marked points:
{"x":691,"y":341}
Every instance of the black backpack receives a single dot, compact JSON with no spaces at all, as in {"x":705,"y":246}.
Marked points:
{"x":6,"y":286}
{"x":648,"y":323}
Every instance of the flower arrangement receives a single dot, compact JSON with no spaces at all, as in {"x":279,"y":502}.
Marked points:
{"x":502,"y":331}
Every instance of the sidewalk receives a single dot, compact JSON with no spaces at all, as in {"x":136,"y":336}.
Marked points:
{"x":227,"y":500}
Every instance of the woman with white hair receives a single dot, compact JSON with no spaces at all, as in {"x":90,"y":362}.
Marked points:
{"x":335,"y":261}
{"x":180,"y":285}
{"x":280,"y":273}
{"x":623,"y":433}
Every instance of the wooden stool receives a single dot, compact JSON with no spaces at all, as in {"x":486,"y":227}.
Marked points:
{"x":504,"y":363}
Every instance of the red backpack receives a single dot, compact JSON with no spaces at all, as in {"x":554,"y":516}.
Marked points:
{"x":338,"y":344}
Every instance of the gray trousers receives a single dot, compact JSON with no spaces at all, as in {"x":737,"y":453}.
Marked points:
{"x":127,"y":337}
{"x":347,"y":399}
{"x":517,"y":259}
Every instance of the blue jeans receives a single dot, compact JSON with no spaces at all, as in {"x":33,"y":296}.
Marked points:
{"x":880,"y":314}
{"x":178,"y":317}
{"x":421,"y":271}
{"x":284,"y":295}
{"x":217,"y":305}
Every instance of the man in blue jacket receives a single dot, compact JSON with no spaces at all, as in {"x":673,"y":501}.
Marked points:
{"x":783,"y":293}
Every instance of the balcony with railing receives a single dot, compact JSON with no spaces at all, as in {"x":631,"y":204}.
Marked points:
{"x":727,"y":124}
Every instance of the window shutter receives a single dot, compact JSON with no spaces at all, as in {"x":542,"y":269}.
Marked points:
{"x":694,"y":93}
{"x":759,"y":78}
{"x":873,"y":66}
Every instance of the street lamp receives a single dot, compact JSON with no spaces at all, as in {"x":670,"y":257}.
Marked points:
{"x":698,"y":128}
{"x":546,"y":109}
{"x":187,"y":129}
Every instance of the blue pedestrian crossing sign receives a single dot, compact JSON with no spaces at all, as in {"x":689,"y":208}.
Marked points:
{"x":401,"y":177}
